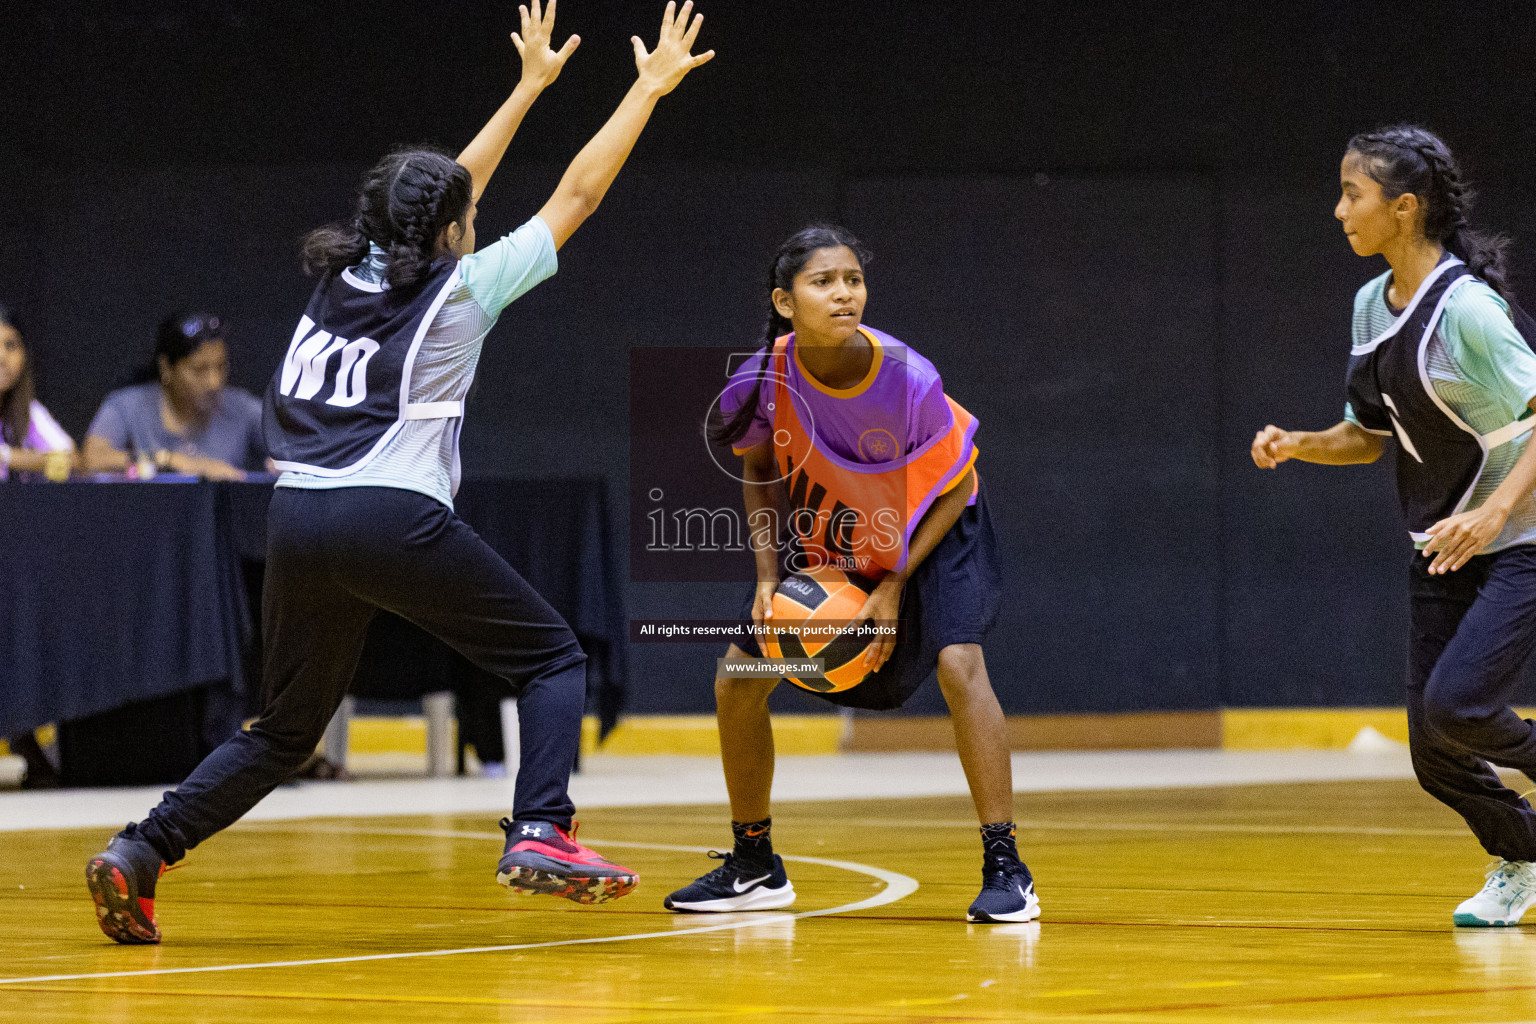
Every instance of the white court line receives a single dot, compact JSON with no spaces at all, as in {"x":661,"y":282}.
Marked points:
{"x":1134,"y":826}
{"x":897,"y":887}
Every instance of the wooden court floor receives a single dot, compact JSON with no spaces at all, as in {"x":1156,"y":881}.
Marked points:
{"x":1320,"y":902}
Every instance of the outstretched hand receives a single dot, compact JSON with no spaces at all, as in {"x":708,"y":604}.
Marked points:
{"x":665,"y":66}
{"x":541,"y":64}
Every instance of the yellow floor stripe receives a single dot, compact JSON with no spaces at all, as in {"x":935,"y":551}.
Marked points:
{"x":405,"y":737}
{"x":1312,"y":728}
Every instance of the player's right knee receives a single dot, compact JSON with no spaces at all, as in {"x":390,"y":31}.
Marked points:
{"x":742,"y":692}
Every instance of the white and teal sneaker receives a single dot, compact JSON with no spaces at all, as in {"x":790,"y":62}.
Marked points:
{"x":1508,"y":893}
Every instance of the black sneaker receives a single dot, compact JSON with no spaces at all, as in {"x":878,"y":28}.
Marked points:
{"x":1007,"y":893}
{"x":122,"y":882}
{"x":735,"y":886}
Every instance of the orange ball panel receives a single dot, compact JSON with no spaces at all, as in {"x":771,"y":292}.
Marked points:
{"x":826,"y":599}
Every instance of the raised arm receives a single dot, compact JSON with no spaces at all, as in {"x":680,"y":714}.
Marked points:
{"x":541,"y":66}
{"x":586,"y":181}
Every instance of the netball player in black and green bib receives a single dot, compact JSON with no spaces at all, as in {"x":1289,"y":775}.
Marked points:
{"x":363,"y":417}
{"x":1442,"y":364}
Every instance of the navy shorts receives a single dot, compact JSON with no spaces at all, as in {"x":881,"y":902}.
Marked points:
{"x":952,"y":598}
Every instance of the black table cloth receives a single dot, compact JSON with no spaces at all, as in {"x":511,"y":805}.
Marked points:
{"x":112,"y":593}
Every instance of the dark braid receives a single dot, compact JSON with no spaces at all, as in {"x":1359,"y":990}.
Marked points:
{"x":406,"y":201}
{"x":1407,"y":158}
{"x":790,"y":259}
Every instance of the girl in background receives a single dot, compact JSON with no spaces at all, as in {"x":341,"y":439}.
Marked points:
{"x":182,"y":414}
{"x":32,"y":444}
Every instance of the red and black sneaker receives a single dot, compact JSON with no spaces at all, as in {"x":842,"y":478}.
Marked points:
{"x":122,"y":882}
{"x":543,"y":859}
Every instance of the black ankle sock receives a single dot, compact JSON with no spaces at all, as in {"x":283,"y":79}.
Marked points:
{"x":997,"y":840}
{"x":754,"y":841}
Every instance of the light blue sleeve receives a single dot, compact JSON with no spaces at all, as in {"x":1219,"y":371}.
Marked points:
{"x":504,"y":271}
{"x":1484,"y":343}
{"x":110,"y":424}
{"x":1370,"y":317}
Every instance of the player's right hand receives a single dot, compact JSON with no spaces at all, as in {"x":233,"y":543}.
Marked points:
{"x":1272,"y":446}
{"x":762,"y":604}
{"x":541,"y":64}
{"x":665,"y":66}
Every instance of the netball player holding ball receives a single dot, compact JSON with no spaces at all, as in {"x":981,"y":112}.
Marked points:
{"x":853,"y":428}
{"x":363,"y":418}
{"x":1442,"y":363}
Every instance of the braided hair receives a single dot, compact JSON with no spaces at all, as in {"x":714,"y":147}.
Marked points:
{"x":406,"y":201}
{"x":790,"y":259}
{"x":1407,"y":158}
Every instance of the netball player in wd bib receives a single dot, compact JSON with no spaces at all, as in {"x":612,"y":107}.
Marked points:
{"x":840,"y":418}
{"x":363,"y":418}
{"x":1442,"y":363}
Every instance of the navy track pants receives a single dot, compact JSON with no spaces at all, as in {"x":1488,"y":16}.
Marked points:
{"x":1470,"y":633}
{"x":335,"y":557}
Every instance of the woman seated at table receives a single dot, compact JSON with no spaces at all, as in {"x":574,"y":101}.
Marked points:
{"x":31,"y":442}
{"x":182,"y":415}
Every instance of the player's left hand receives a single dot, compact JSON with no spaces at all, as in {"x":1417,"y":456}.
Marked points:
{"x":1457,"y":538}
{"x":665,"y":66}
{"x":883,"y":607}
{"x":541,"y":64}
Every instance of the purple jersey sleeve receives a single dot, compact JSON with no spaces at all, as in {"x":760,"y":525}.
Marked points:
{"x":738,"y":392}
{"x":929,"y":415}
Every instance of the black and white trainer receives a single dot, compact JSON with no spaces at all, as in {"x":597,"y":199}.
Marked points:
{"x":1007,"y":893}
{"x":735,"y":886}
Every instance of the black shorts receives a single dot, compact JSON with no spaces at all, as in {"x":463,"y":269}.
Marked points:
{"x":952,"y":598}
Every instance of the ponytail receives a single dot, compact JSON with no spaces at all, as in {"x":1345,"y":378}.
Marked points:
{"x":334,"y":248}
{"x":405,"y":202}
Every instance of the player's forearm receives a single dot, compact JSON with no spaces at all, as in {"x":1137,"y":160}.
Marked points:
{"x":1343,"y":444}
{"x":25,"y":460}
{"x":589,"y":176}
{"x":936,"y":522}
{"x":483,"y":155}
{"x":101,"y":457}
{"x":759,"y":496}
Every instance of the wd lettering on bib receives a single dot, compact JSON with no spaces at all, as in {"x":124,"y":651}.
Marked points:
{"x":304,"y":370}
{"x":343,"y":390}
{"x":1392,"y":395}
